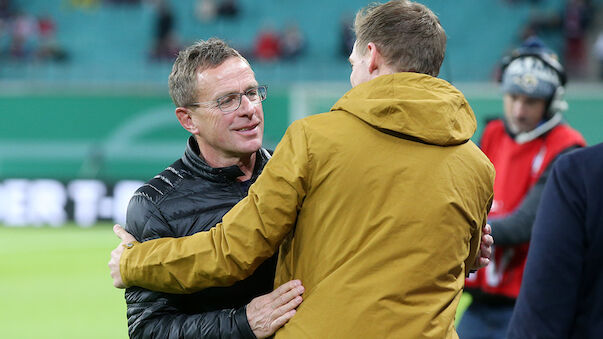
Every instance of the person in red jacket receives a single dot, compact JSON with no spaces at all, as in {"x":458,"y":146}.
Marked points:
{"x":522,"y":147}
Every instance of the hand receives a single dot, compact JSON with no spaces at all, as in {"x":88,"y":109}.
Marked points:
{"x":485,"y":250}
{"x":267,"y":313}
{"x":126,"y":240}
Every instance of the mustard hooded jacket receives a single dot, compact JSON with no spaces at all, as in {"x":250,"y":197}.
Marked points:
{"x":377,"y":207}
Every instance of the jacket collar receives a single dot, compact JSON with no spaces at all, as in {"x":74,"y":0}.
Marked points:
{"x":198,"y":167}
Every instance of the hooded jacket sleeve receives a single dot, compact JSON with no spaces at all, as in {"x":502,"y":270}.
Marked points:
{"x":250,"y":233}
{"x":158,"y":315}
{"x":150,"y":315}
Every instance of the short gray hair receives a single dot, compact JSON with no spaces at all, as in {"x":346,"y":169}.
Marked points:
{"x":407,"y":34}
{"x":198,"y":57}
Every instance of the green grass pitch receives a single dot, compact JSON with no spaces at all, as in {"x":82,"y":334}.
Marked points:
{"x":54,"y":283}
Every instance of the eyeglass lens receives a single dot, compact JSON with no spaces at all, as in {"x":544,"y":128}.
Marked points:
{"x":231,"y":102}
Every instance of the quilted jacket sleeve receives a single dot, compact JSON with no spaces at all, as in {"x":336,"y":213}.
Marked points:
{"x":158,"y":315}
{"x":250,"y":233}
{"x":150,"y":315}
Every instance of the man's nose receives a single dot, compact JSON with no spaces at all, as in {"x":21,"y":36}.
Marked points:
{"x":247,"y":107}
{"x":518,"y":109}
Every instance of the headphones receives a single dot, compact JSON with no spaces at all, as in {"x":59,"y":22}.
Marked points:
{"x":548,"y":58}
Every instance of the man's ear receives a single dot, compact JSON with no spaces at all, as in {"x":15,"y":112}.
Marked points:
{"x":375,"y":58}
{"x":184,"y":117}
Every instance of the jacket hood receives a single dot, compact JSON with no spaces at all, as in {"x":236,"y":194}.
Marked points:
{"x":414,"y":105}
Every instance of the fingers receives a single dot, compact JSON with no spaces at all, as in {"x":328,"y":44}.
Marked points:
{"x":114,"y":267}
{"x":113,"y":264}
{"x":284,"y":308}
{"x":282,"y":320}
{"x":480,"y":263}
{"x":291,"y":294}
{"x":485,"y":247}
{"x":487,"y":240}
{"x":116,"y":255}
{"x":487,"y":229}
{"x":485,"y":251}
{"x":269,"y":312}
{"x":286,"y":287}
{"x":286,"y":293}
{"x":289,"y":306}
{"x":122,"y":234}
{"x":486,"y":243}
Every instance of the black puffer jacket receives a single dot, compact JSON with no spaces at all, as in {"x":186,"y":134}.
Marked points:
{"x":188,"y":197}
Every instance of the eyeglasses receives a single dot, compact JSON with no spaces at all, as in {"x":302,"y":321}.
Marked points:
{"x":231,"y":102}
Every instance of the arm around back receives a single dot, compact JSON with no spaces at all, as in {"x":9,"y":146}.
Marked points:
{"x":250,"y":232}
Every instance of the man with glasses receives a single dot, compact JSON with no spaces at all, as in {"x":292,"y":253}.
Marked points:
{"x":219,"y":102}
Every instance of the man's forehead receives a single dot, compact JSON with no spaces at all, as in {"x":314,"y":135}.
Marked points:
{"x":230,"y":65}
{"x":230,"y":76}
{"x":517,"y":96}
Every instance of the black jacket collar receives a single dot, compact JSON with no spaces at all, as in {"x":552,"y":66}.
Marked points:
{"x":198,"y":167}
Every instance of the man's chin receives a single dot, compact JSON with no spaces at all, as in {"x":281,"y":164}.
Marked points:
{"x":251,"y":147}
{"x":518,"y":129}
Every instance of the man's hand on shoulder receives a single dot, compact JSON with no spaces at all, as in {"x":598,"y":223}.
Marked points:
{"x":269,"y":312}
{"x":126,"y":241}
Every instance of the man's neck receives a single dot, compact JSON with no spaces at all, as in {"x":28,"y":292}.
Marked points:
{"x":245,"y":162}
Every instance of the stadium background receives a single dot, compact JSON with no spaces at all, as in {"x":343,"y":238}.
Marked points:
{"x":78,"y":136}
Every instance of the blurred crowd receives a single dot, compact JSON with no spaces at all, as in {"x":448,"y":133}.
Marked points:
{"x":27,"y":37}
{"x":269,"y":45}
{"x":574,"y":24}
{"x":33,"y":37}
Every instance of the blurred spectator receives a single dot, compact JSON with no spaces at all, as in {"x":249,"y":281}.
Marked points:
{"x":165,"y":21}
{"x":205,"y":10}
{"x":267,"y":45}
{"x":346,"y":36}
{"x":572,"y":23}
{"x":228,"y":9}
{"x":6,"y":12}
{"x":23,"y":36}
{"x":166,"y":44}
{"x":522,"y":147}
{"x":598,"y":51}
{"x":576,"y":20}
{"x":292,"y":42}
{"x":48,"y":48}
{"x":6,"y":9}
{"x":46,"y":26}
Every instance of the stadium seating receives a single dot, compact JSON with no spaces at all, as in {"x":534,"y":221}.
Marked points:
{"x":110,"y":43}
